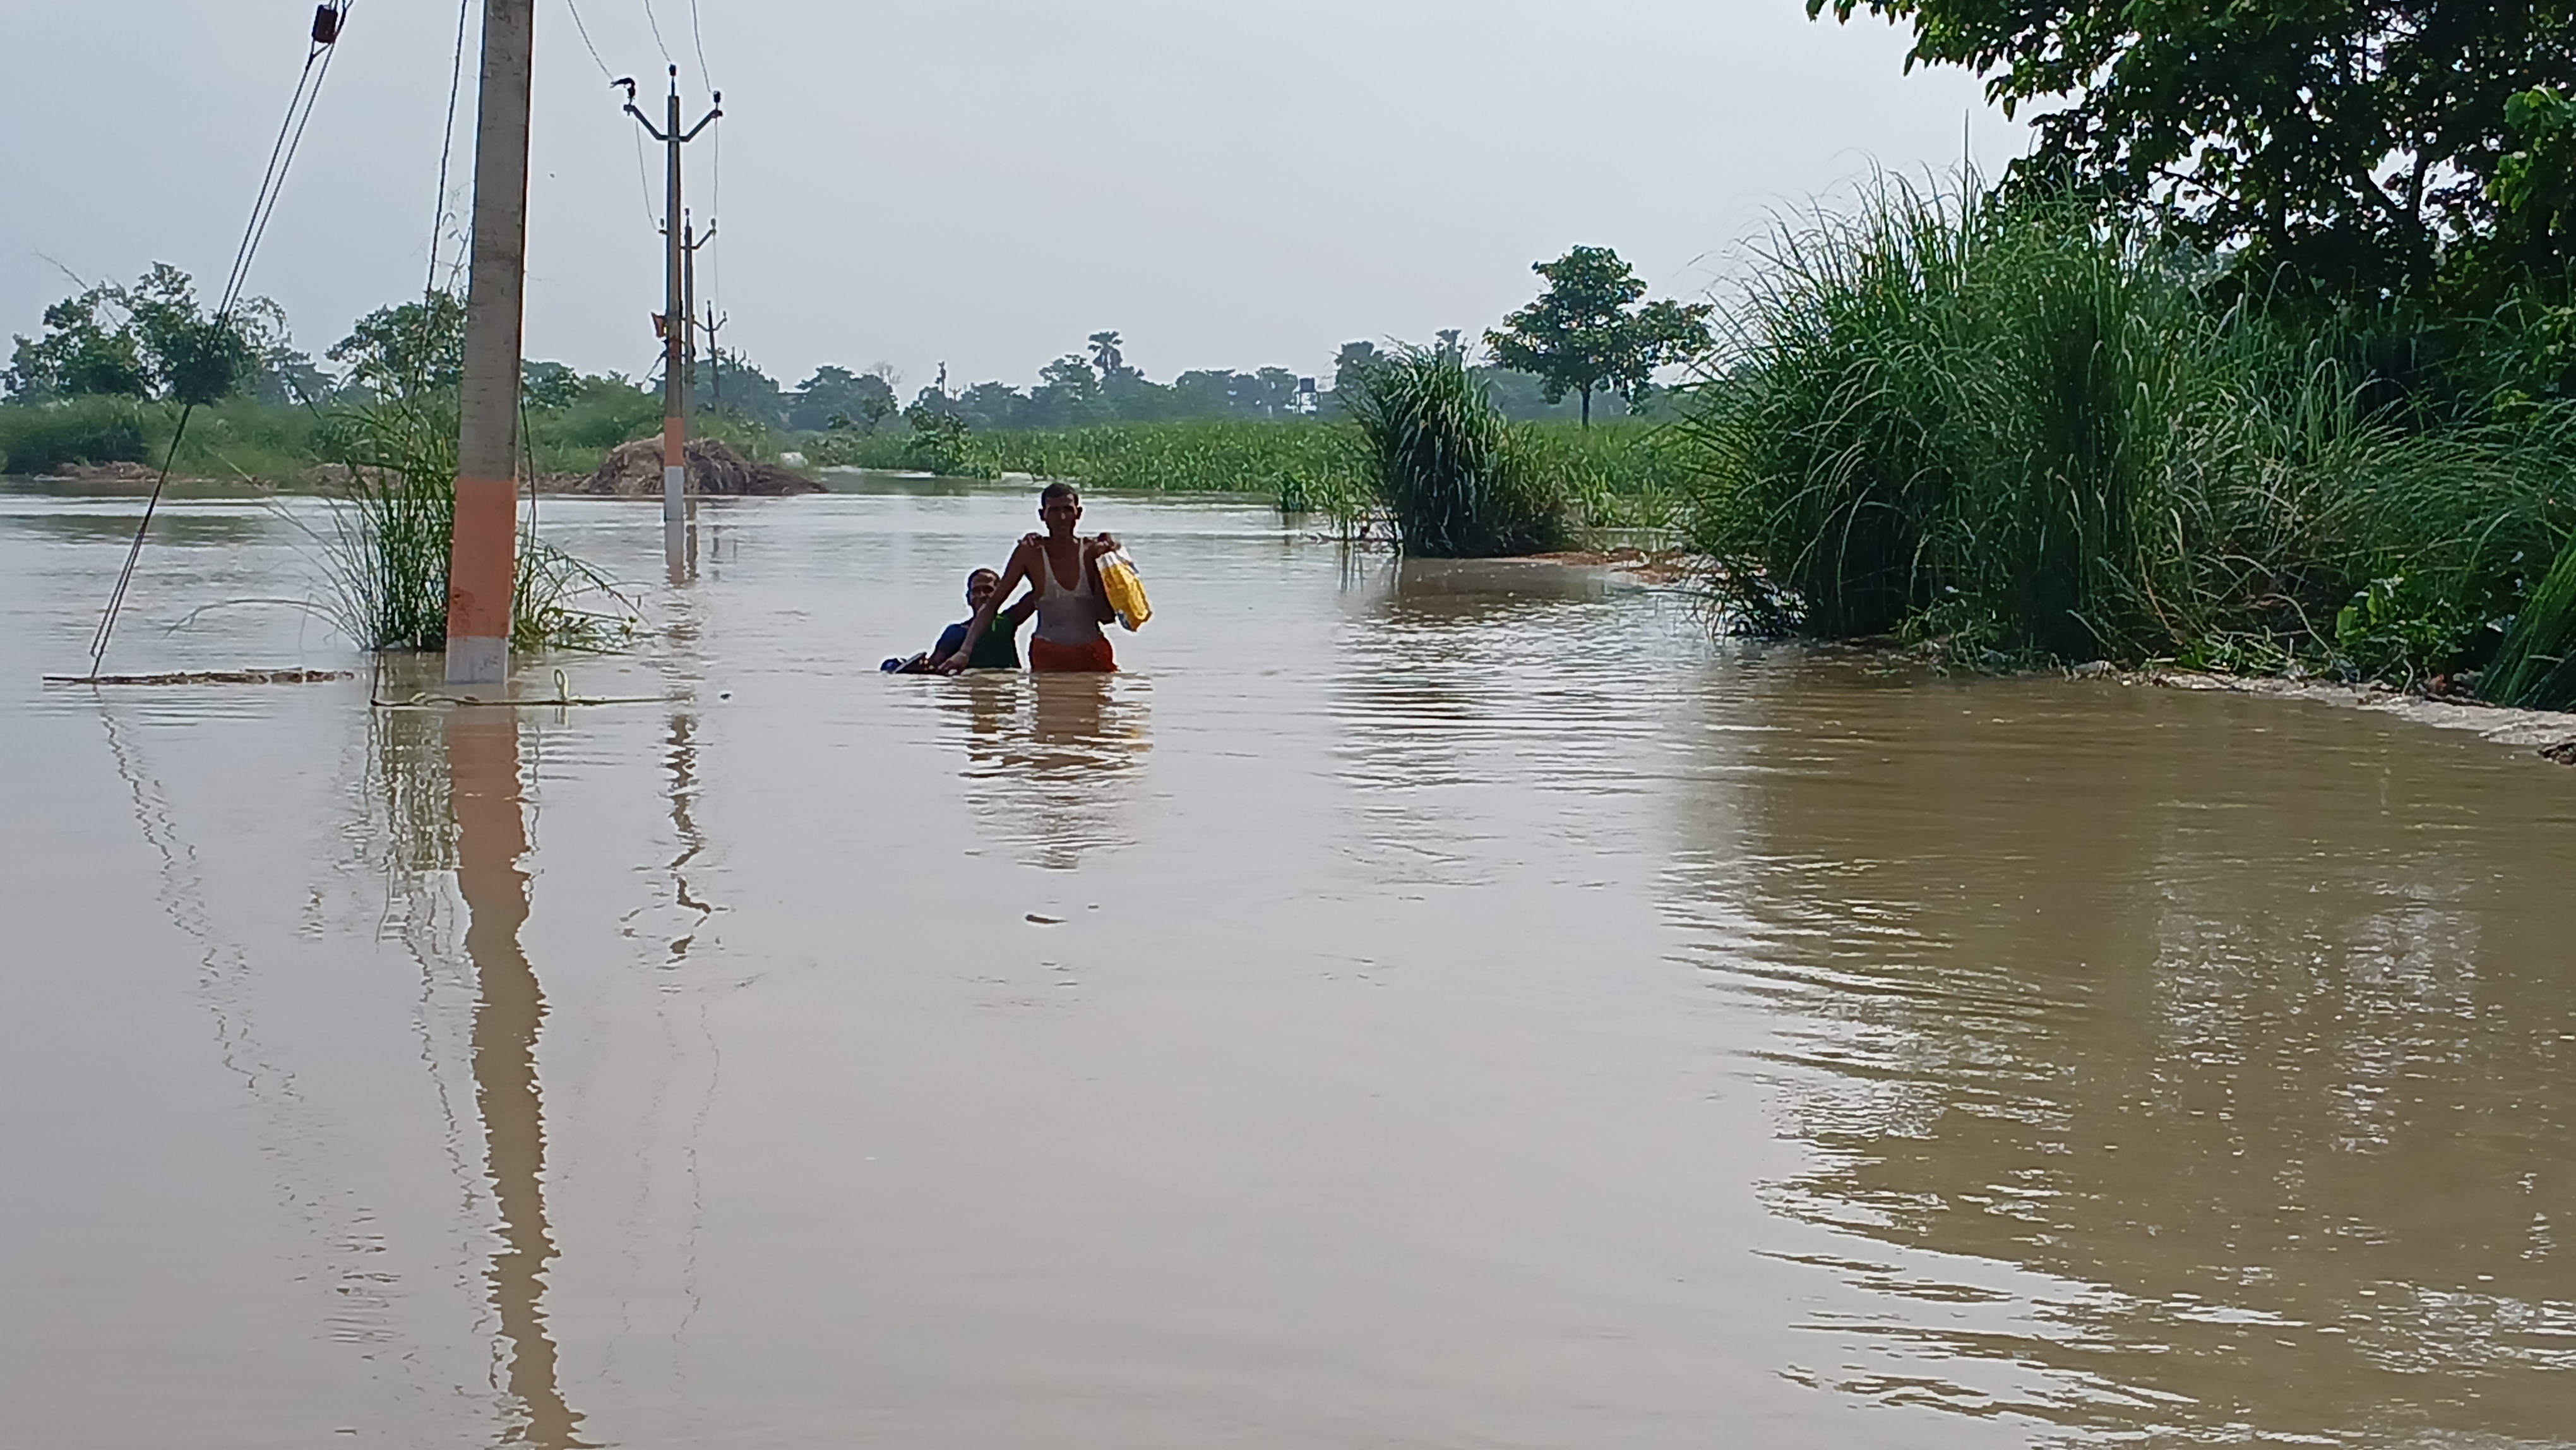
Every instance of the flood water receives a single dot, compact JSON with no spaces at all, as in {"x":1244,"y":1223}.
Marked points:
{"x":1423,"y":1006}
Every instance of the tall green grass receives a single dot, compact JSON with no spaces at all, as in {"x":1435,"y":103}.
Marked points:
{"x":1302,"y":465}
{"x":1455,"y":479}
{"x":387,"y":553}
{"x":2535,"y":665}
{"x":2024,"y":434}
{"x":44,"y":437}
{"x":1613,"y":475}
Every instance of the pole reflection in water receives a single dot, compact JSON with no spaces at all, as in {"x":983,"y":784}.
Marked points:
{"x":491,"y":841}
{"x":682,"y":761}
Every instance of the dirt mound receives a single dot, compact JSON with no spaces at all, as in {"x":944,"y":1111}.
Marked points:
{"x":634,"y":470}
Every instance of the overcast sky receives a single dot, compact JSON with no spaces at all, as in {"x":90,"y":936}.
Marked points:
{"x":980,"y":182}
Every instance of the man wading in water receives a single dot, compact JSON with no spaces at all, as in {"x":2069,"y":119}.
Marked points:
{"x":1065,"y":570}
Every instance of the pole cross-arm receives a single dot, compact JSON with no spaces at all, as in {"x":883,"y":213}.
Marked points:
{"x":709,"y":119}
{"x":628,"y":82}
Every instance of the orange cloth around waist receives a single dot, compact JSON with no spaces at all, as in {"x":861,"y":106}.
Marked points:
{"x":1096,"y":656}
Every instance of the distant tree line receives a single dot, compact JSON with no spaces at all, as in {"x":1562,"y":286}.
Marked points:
{"x":1588,"y":340}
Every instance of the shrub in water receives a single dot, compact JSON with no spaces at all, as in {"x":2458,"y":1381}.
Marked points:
{"x":387,"y":556}
{"x":1449,"y":471}
{"x":2025,"y":432}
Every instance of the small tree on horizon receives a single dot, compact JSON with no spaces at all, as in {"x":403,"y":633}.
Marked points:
{"x":1590,"y":331}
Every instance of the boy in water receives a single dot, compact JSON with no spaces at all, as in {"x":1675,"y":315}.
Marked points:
{"x":1064,"y":571}
{"x":998,"y":649}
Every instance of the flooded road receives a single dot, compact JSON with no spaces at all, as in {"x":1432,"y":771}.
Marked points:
{"x":1437,"y":1006}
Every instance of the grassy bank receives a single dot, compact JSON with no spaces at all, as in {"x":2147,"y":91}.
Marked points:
{"x":277,"y":445}
{"x":2017,"y":435}
{"x":1616,"y":474}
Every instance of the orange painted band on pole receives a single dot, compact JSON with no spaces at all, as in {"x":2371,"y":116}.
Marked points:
{"x":674,"y":436}
{"x":484,"y":573}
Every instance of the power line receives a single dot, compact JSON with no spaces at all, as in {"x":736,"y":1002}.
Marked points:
{"x":716,"y":188}
{"x":584,"y":32}
{"x":446,"y":151}
{"x":657,"y":32}
{"x":327,"y":25}
{"x":643,"y":178}
{"x":705,"y":75}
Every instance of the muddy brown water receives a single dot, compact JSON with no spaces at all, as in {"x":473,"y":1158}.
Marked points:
{"x":1439,"y":1006}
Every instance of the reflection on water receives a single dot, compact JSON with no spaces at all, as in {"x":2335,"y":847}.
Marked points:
{"x":682,"y":761}
{"x":509,"y":1008}
{"x":1460,"y":673}
{"x":1050,"y":759}
{"x":2109,"y":989}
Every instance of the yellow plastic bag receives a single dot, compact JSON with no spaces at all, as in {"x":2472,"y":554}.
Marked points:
{"x":1118,"y":580}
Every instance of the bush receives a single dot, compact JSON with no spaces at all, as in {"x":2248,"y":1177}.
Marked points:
{"x":2027,"y":434}
{"x":1455,"y":478}
{"x":42,"y":437}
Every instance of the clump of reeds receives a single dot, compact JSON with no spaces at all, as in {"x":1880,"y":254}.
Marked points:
{"x":2022,"y":432}
{"x":1450,"y":473}
{"x":387,"y":553}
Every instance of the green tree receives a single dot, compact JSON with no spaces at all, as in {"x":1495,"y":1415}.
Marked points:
{"x":835,"y":396}
{"x":938,"y":440}
{"x":1106,"y":356}
{"x":79,"y":353}
{"x":147,"y":340}
{"x":2348,"y":143}
{"x":1067,"y":394}
{"x":195,"y":358}
{"x":1591,"y":332}
{"x":549,"y":384}
{"x":414,"y":347}
{"x":2536,"y":181}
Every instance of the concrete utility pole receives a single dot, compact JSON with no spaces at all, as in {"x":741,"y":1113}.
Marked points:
{"x":675,"y":326}
{"x":689,"y":244}
{"x":715,"y":352}
{"x":482,"y":570}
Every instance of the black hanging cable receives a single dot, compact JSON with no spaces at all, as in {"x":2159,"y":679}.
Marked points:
{"x":446,"y":152}
{"x":272,"y":185}
{"x":643,"y":181}
{"x":654,"y":22}
{"x":699,"y":43}
{"x":715,"y":265}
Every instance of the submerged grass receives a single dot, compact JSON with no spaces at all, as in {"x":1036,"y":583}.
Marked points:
{"x":387,"y":553}
{"x":2019,"y":434}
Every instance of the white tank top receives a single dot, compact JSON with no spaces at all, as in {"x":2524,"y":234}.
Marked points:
{"x":1066,"y":616}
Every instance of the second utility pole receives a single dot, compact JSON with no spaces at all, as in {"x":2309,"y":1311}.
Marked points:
{"x":675,"y":326}
{"x":690,"y":241}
